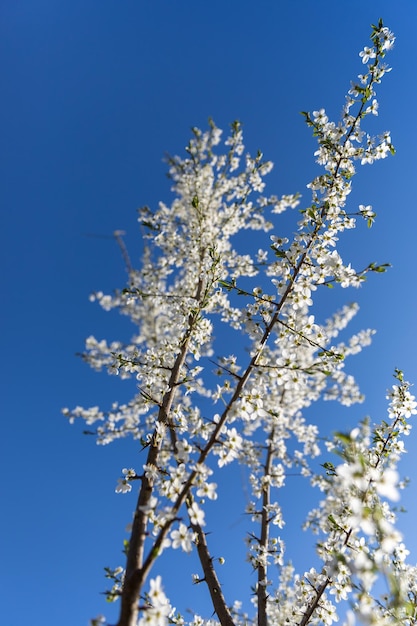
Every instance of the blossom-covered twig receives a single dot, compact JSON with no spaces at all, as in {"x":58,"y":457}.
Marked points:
{"x":193,"y":275}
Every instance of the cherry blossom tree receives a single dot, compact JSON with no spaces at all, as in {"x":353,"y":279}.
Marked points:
{"x":198,"y":408}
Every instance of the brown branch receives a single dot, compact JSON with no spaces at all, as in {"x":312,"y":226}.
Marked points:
{"x":135,"y":574}
{"x":314,"y":603}
{"x":118,"y":235}
{"x":210,"y":577}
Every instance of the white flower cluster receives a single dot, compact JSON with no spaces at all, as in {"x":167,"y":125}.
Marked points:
{"x":357,"y":522}
{"x":194,"y":280}
{"x":158,"y":609}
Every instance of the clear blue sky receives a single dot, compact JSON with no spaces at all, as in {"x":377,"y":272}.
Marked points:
{"x":94,"y":93}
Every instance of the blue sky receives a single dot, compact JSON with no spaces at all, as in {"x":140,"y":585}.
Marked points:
{"x":94,"y":94}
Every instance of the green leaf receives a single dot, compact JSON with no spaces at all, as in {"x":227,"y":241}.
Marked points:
{"x":344,"y":437}
{"x":330,"y":468}
{"x":226,"y":285}
{"x":279,"y":253}
{"x":150,"y":225}
{"x":399,"y":375}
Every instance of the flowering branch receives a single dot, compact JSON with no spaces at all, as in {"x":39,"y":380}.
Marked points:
{"x":191,"y":276}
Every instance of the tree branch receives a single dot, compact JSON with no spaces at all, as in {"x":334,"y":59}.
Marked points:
{"x":210,"y":577}
{"x":135,"y":574}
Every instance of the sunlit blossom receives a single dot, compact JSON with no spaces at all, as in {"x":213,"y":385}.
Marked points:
{"x":201,"y":403}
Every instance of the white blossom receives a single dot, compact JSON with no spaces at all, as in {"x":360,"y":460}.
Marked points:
{"x":257,"y":407}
